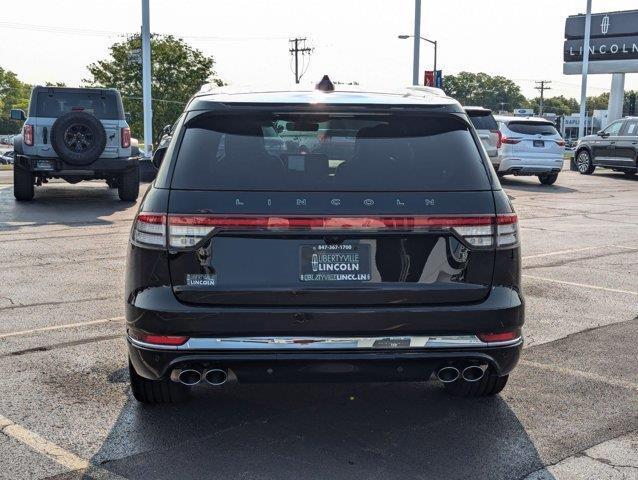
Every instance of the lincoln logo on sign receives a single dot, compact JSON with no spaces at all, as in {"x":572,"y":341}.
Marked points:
{"x":604,"y":25}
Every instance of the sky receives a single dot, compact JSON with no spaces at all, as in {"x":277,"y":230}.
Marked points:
{"x":353,"y":40}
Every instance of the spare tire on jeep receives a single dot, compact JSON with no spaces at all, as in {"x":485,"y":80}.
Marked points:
{"x":78,"y":138}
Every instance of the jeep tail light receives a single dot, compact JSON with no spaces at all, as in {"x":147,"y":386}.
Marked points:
{"x":185,"y":231}
{"x":126,"y":137}
{"x":149,"y":230}
{"x":499,"y":140}
{"x":27,"y":135}
{"x":509,"y":141}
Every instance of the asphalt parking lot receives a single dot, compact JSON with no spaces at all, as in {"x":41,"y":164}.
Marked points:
{"x":66,"y":411}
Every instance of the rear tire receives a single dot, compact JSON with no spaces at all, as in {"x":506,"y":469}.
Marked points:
{"x":488,"y":386}
{"x":548,"y":179}
{"x":128,"y":186}
{"x":156,"y":391}
{"x":584,"y":163}
{"x":23,"y":189}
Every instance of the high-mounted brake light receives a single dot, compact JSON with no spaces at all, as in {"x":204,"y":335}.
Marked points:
{"x":125,"y":135}
{"x":27,"y":135}
{"x":185,"y":231}
{"x":149,"y":229}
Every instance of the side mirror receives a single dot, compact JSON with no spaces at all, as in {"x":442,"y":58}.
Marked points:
{"x":127,"y":117}
{"x":167,"y":129}
{"x":17,"y":114}
{"x":158,"y":156}
{"x":601,"y":133}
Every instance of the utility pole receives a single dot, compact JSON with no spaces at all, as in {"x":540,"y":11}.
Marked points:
{"x":146,"y":79}
{"x":541,"y":85}
{"x":295,"y":50}
{"x":417,"y":44}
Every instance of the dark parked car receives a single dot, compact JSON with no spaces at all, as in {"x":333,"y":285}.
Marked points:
{"x":396,"y":258}
{"x":615,"y":147}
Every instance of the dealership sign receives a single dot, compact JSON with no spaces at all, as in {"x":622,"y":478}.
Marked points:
{"x":613,"y":45}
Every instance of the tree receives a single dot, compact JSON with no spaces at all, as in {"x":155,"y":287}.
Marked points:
{"x":13,"y":94}
{"x":178,"y":71}
{"x":558,"y":105}
{"x":484,"y":90}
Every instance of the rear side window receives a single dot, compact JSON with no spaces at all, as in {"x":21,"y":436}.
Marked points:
{"x":483,"y":120}
{"x":328,"y":152}
{"x":103,"y":106}
{"x":533,"y":128}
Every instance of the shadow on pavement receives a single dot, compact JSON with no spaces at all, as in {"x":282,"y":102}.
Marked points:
{"x":371,"y":431}
{"x":514,"y":183}
{"x":62,"y":204}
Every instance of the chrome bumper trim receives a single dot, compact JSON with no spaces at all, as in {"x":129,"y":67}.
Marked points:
{"x":329,"y":343}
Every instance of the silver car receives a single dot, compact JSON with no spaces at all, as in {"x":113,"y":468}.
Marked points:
{"x":487,"y":130}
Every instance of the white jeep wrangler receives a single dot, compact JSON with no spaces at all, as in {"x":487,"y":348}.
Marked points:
{"x":75,"y":134}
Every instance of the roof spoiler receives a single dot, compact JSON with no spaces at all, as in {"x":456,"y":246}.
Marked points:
{"x":429,"y":90}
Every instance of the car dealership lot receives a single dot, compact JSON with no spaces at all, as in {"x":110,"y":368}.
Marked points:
{"x":65,"y":406}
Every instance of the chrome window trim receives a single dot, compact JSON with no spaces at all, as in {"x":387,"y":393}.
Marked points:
{"x":414,"y":342}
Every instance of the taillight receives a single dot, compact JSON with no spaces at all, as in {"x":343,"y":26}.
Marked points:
{"x":498,"y":337}
{"x":560,"y":143}
{"x":173,"y":340}
{"x":125,"y":135}
{"x":507,"y":230}
{"x":185,"y":231}
{"x":499,"y":141}
{"x":510,"y":141}
{"x":149,"y":229}
{"x":27,"y":135}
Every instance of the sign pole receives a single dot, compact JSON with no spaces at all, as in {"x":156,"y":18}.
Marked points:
{"x":146,"y":79}
{"x":583,"y":85}
{"x":417,"y":40}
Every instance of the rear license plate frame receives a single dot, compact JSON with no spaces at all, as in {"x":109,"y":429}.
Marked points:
{"x":335,"y":263}
{"x":539,"y":143}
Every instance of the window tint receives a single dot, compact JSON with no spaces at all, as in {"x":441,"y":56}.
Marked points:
{"x":102,"y":106}
{"x":631,"y":128}
{"x":613,"y":129}
{"x":482,"y":121}
{"x":328,"y":152}
{"x":533,"y":128}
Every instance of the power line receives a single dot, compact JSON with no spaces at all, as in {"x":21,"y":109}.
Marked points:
{"x":300,"y":47}
{"x":541,"y":86}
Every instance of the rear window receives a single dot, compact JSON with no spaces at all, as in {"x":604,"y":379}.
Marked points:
{"x":533,"y":128}
{"x":482,"y":120}
{"x":328,"y":152}
{"x":103,"y":106}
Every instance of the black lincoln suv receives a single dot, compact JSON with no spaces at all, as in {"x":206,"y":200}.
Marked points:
{"x":323,"y":235}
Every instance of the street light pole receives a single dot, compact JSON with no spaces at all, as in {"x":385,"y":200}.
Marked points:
{"x":417,"y":36}
{"x":433,"y":42}
{"x":146,"y":79}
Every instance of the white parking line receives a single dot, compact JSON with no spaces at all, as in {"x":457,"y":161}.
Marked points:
{"x":52,"y":451}
{"x":571,"y":250}
{"x":594,"y":287}
{"x":60,"y":327}
{"x":580,"y":373}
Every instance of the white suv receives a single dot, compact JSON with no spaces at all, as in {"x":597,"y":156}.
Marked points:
{"x":530,"y":146}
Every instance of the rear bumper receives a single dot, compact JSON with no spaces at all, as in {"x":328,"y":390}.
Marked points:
{"x":530,"y":164}
{"x":58,"y":167}
{"x":254,"y":366}
{"x":156,"y":310}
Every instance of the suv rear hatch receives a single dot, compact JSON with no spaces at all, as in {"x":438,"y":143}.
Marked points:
{"x":487,"y":129}
{"x":349,"y":209}
{"x":533,"y":137}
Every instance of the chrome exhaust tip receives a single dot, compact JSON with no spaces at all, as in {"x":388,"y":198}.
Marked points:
{"x":473,"y":373}
{"x":189,"y":377}
{"x":216,"y":376}
{"x":448,"y":374}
